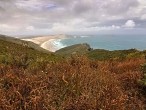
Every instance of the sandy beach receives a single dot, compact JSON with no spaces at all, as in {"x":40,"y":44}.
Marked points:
{"x":48,"y":42}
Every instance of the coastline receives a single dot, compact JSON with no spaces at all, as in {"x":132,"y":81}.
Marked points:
{"x":51,"y":43}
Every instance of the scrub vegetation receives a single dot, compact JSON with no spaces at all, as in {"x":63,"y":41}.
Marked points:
{"x":96,"y":80}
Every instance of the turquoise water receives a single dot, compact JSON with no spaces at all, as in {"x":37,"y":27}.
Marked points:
{"x":109,"y":42}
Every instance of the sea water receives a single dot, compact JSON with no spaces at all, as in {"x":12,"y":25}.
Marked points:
{"x":108,"y":42}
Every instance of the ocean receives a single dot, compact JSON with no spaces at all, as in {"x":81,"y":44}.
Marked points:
{"x":108,"y":42}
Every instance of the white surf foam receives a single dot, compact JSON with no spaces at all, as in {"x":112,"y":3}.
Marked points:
{"x":53,"y":45}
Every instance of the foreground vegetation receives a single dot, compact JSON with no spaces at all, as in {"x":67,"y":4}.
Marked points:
{"x":99,"y":80}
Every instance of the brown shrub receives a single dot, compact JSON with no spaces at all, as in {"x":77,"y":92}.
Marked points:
{"x":74,"y":84}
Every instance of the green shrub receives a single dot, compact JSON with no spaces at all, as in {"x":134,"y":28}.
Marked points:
{"x":143,"y":81}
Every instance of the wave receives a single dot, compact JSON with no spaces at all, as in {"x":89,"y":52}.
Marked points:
{"x":53,"y":45}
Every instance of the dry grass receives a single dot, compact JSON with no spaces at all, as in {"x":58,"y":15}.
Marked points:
{"x":74,"y":84}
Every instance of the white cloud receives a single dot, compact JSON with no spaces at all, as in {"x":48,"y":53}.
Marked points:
{"x":67,"y":16}
{"x":76,"y":27}
{"x":60,"y":28}
{"x":129,"y":24}
{"x":5,"y":26}
{"x":115,"y":27}
{"x":142,"y":2}
{"x":103,"y":28}
{"x":8,"y":28}
{"x":31,"y":28}
{"x":143,"y":17}
{"x":34,"y":5}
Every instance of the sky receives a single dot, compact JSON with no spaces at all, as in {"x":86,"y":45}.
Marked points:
{"x":80,"y":17}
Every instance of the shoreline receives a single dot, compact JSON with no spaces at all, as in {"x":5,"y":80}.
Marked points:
{"x":50,"y":43}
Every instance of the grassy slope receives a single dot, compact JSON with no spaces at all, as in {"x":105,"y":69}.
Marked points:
{"x":11,"y":53}
{"x":74,"y":49}
{"x":24,"y":43}
{"x":32,"y":80}
{"x":101,"y":54}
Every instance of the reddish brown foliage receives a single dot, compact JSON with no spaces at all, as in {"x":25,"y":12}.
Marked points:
{"x":75,"y":84}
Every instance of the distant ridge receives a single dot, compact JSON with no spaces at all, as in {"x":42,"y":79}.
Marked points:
{"x":23,"y":43}
{"x":74,"y":49}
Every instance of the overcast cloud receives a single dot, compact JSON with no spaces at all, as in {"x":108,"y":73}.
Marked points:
{"x":39,"y":17}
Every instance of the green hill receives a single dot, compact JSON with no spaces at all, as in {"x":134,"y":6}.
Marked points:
{"x":23,"y":43}
{"x":88,"y":80}
{"x":74,"y":49}
{"x":102,"y":54}
{"x":24,"y":54}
